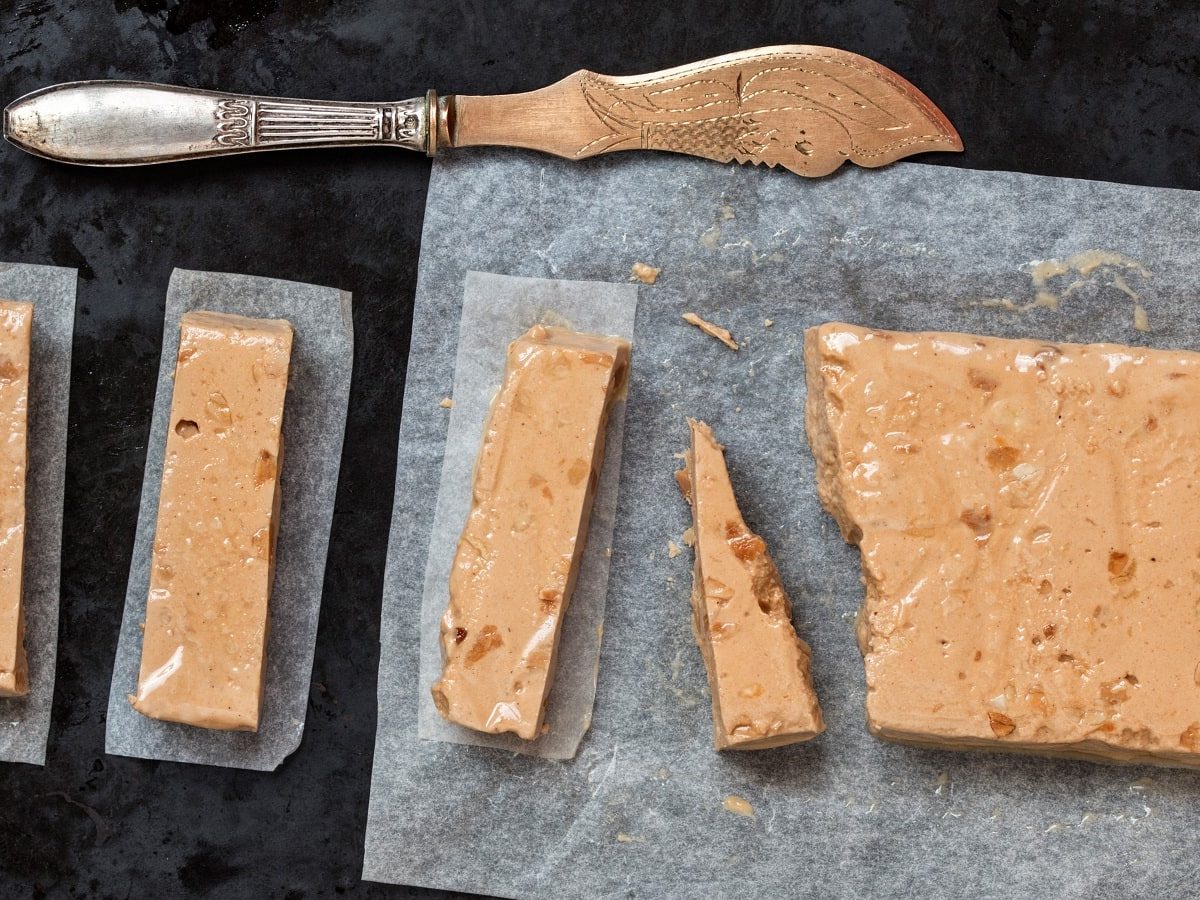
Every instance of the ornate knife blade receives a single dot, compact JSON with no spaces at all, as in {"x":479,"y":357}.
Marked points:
{"x":806,"y":108}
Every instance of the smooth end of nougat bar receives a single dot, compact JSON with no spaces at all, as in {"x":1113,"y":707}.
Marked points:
{"x":235,"y":328}
{"x":214,"y":718}
{"x":16,"y":682}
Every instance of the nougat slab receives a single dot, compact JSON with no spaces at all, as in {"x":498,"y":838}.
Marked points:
{"x":759,"y":671}
{"x":1029,"y":520}
{"x":204,"y":647}
{"x":517,"y":560}
{"x":16,"y":328}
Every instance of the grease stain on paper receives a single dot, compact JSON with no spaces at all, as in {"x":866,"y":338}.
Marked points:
{"x":679,"y":690}
{"x":1045,"y":276}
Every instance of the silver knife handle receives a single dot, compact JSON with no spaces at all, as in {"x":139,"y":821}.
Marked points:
{"x":126,"y":123}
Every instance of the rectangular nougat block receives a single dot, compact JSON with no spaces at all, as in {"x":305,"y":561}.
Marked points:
{"x":16,"y":329}
{"x":204,"y":647}
{"x":517,"y":559}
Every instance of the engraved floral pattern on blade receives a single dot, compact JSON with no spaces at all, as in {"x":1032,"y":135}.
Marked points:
{"x":808,"y":112}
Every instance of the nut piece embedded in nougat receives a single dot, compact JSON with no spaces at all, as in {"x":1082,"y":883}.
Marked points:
{"x":16,"y":326}
{"x":204,"y":647}
{"x":758,"y":669}
{"x":519,"y":553}
{"x":1028,"y":515}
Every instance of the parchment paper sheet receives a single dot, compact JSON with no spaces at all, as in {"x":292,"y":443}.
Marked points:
{"x":25,"y":721}
{"x":639,"y":811}
{"x":314,"y":419}
{"x":496,"y":310}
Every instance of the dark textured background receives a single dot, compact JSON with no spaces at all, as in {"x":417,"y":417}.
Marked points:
{"x":1090,"y":90}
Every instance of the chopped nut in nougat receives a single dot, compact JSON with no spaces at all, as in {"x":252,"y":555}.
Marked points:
{"x":204,"y":642}
{"x":519,"y":553}
{"x":16,"y":327}
{"x":758,"y":669}
{"x":1028,"y":516}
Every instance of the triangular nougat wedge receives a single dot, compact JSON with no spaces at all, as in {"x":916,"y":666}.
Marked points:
{"x":758,"y":669}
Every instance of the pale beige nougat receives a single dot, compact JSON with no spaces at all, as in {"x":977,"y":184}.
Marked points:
{"x":759,"y":671}
{"x":517,"y":560}
{"x":1029,"y":521}
{"x":204,"y":646}
{"x":16,"y":329}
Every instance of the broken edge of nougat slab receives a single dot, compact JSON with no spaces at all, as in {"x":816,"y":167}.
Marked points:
{"x":759,"y":670}
{"x":1027,"y":515}
{"x":213,"y":562}
{"x":16,"y":328}
{"x":518,"y":557}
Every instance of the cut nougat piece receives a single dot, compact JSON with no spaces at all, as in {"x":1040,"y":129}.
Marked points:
{"x":759,"y":670}
{"x":1028,"y":515}
{"x":519,"y":553}
{"x":204,"y":647}
{"x":16,"y":329}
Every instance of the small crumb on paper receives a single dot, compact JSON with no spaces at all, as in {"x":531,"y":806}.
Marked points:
{"x":999,"y":303}
{"x":673,"y":549}
{"x":739,"y":806}
{"x":721,"y":334}
{"x":1141,"y":321}
{"x":623,"y":838}
{"x":645,"y":273}
{"x":608,"y":552}
{"x":689,"y":537}
{"x":767,"y":323}
{"x":447,"y":403}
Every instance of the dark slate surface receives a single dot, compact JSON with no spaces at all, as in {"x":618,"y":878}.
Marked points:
{"x":1091,"y":90}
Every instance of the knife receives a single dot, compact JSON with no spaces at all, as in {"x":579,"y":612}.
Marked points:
{"x":806,"y":108}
